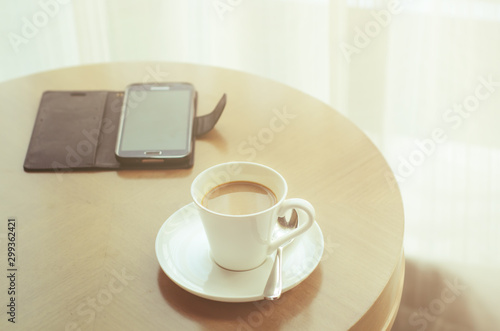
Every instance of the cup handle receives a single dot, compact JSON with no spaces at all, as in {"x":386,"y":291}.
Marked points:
{"x":293,"y":204}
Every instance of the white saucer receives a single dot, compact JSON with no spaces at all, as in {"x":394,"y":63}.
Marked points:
{"x":184,"y":255}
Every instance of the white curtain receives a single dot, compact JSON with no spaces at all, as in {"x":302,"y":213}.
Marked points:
{"x":420,"y":77}
{"x":283,"y":40}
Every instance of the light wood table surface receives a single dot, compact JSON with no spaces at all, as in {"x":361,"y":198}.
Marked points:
{"x":85,"y":241}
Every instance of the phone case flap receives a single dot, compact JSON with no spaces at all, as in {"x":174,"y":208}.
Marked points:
{"x":207,"y":122}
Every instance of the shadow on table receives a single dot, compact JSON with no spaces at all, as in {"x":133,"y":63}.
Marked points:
{"x":216,"y":139}
{"x":436,"y":299}
{"x":264,"y":314}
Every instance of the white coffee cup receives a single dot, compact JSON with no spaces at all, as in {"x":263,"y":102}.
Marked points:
{"x":242,"y":242}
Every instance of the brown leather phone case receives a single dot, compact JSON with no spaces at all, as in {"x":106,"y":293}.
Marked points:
{"x":77,"y":130}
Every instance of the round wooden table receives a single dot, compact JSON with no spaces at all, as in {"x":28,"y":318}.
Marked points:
{"x":85,"y":241}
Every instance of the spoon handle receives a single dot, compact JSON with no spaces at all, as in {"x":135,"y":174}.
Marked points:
{"x":273,"y":288}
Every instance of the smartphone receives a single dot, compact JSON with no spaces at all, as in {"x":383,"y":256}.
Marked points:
{"x":156,"y":123}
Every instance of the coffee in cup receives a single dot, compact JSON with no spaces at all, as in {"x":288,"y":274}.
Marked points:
{"x":239,"y":198}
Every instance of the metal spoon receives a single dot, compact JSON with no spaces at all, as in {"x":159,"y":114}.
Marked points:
{"x":274,"y":285}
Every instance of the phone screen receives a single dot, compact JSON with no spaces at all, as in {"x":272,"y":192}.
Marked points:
{"x":157,"y":120}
